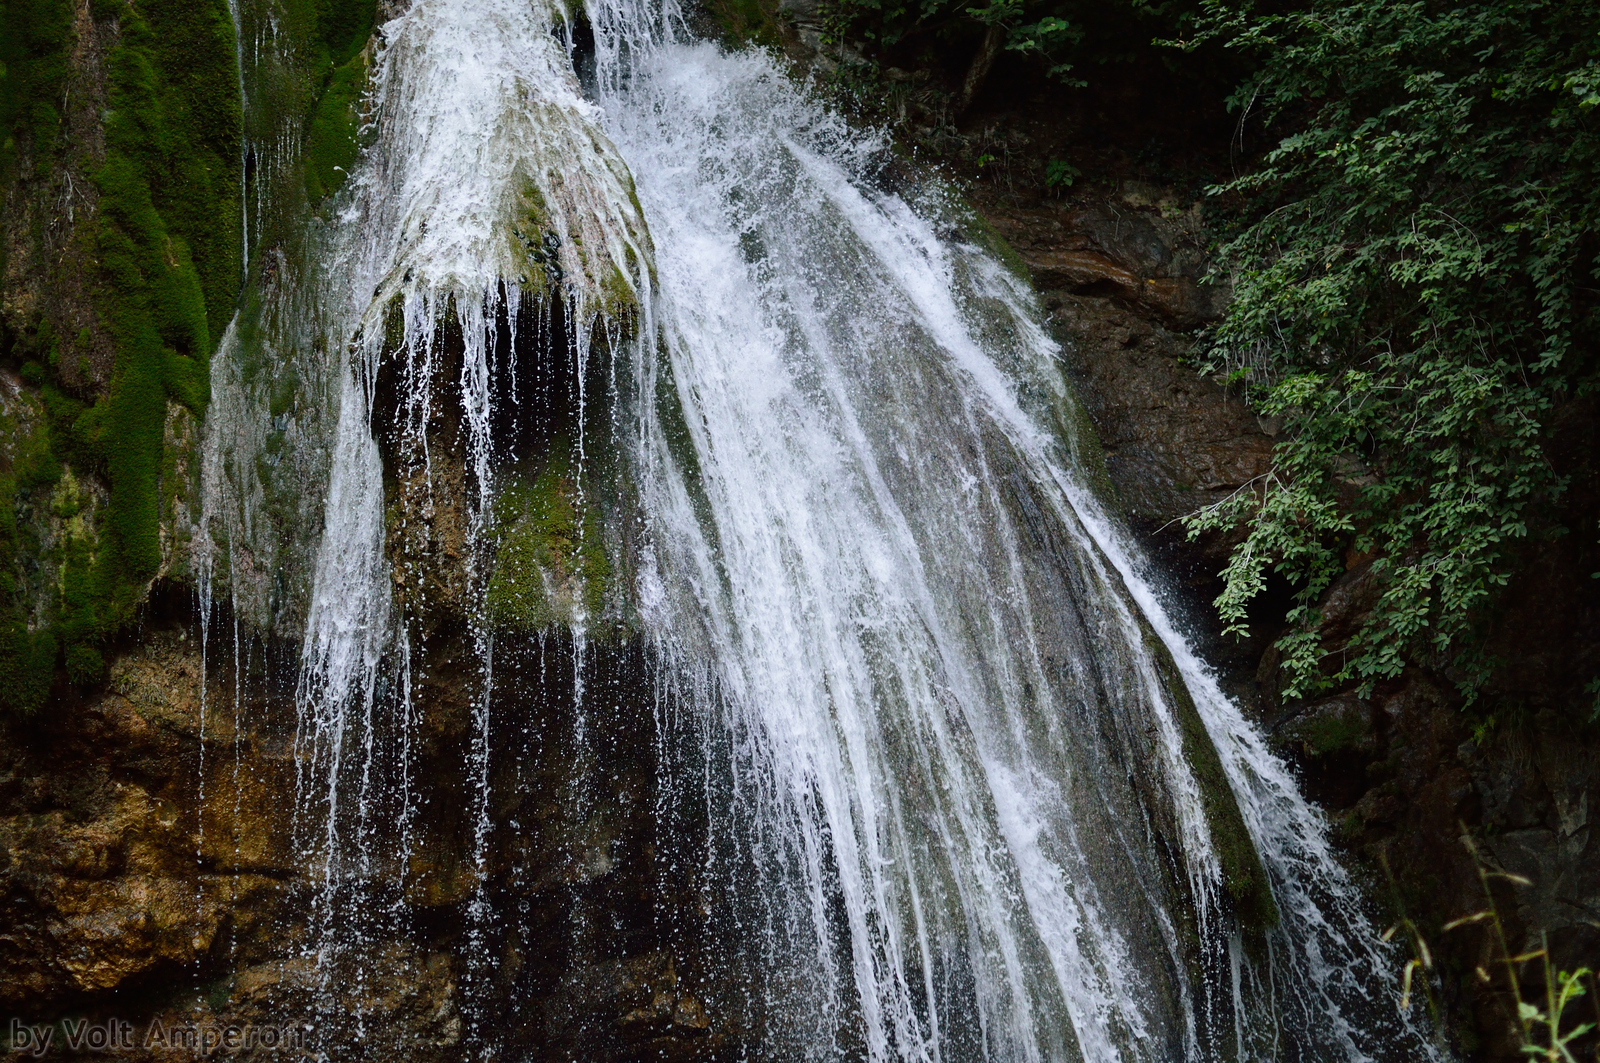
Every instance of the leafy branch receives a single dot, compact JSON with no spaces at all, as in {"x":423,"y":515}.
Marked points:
{"x":1409,"y":275}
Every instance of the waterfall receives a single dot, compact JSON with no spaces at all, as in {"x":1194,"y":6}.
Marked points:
{"x":957,"y":704}
{"x":967,"y":793}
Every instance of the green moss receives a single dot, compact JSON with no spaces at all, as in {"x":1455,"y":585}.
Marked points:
{"x":343,"y":27}
{"x":306,"y":88}
{"x":534,"y":243}
{"x":1242,"y":871}
{"x":34,"y":35}
{"x":27,"y":658}
{"x":175,"y":118}
{"x":27,"y":655}
{"x":1333,"y":733}
{"x":27,"y":666}
{"x":329,"y":38}
{"x":976,"y":227}
{"x":166,"y":240}
{"x":550,"y":562}
{"x":85,"y":665}
{"x":168,"y":250}
{"x":334,"y":138}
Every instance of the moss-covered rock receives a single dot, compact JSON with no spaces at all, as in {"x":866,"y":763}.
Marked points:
{"x":124,"y":168}
{"x":117,"y":286}
{"x":1242,"y":872}
{"x":550,"y":563}
{"x":33,"y":70}
{"x":334,"y":138}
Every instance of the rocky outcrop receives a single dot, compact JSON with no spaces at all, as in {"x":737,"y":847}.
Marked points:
{"x":152,"y":870}
{"x":118,"y":871}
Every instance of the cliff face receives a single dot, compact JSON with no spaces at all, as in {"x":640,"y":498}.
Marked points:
{"x":164,"y":858}
{"x":154,"y":862}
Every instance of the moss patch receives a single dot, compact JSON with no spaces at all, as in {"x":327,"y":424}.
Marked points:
{"x":1334,"y":729}
{"x":534,"y":245}
{"x":1242,"y":871}
{"x":31,"y":471}
{"x":550,"y":563}
{"x":167,"y":242}
{"x":331,"y":36}
{"x":165,"y":238}
{"x":168,"y":246}
{"x":34,"y":35}
{"x":334,"y":139}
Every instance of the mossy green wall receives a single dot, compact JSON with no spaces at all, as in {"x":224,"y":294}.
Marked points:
{"x":550,"y":561}
{"x":337,"y":31}
{"x":34,"y":35}
{"x":166,"y":248}
{"x":165,"y":241}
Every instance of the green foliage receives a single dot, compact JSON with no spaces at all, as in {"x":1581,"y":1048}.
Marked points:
{"x":1413,"y":296}
{"x":1059,"y":173}
{"x":1059,"y":35}
{"x":1542,"y":1029}
{"x":1558,"y":1032}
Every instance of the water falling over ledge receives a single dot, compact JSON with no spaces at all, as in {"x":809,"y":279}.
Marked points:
{"x":770,"y":535}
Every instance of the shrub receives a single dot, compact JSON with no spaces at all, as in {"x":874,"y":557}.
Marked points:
{"x":1414,"y":294}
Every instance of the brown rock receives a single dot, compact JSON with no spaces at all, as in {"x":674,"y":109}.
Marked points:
{"x":1082,"y":272}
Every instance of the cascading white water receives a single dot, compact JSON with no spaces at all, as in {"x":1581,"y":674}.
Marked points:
{"x":934,"y":654}
{"x":958,"y":763}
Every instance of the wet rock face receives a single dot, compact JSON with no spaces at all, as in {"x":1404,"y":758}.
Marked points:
{"x":117,"y":876}
{"x":572,"y":927}
{"x":1120,"y":279}
{"x":50,"y":269}
{"x":1142,"y":248}
{"x":149,"y":871}
{"x":1174,"y":440}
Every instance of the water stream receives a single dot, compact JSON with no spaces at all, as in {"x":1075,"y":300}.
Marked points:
{"x":969,"y":793}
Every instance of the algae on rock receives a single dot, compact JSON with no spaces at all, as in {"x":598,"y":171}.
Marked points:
{"x":550,"y":561}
